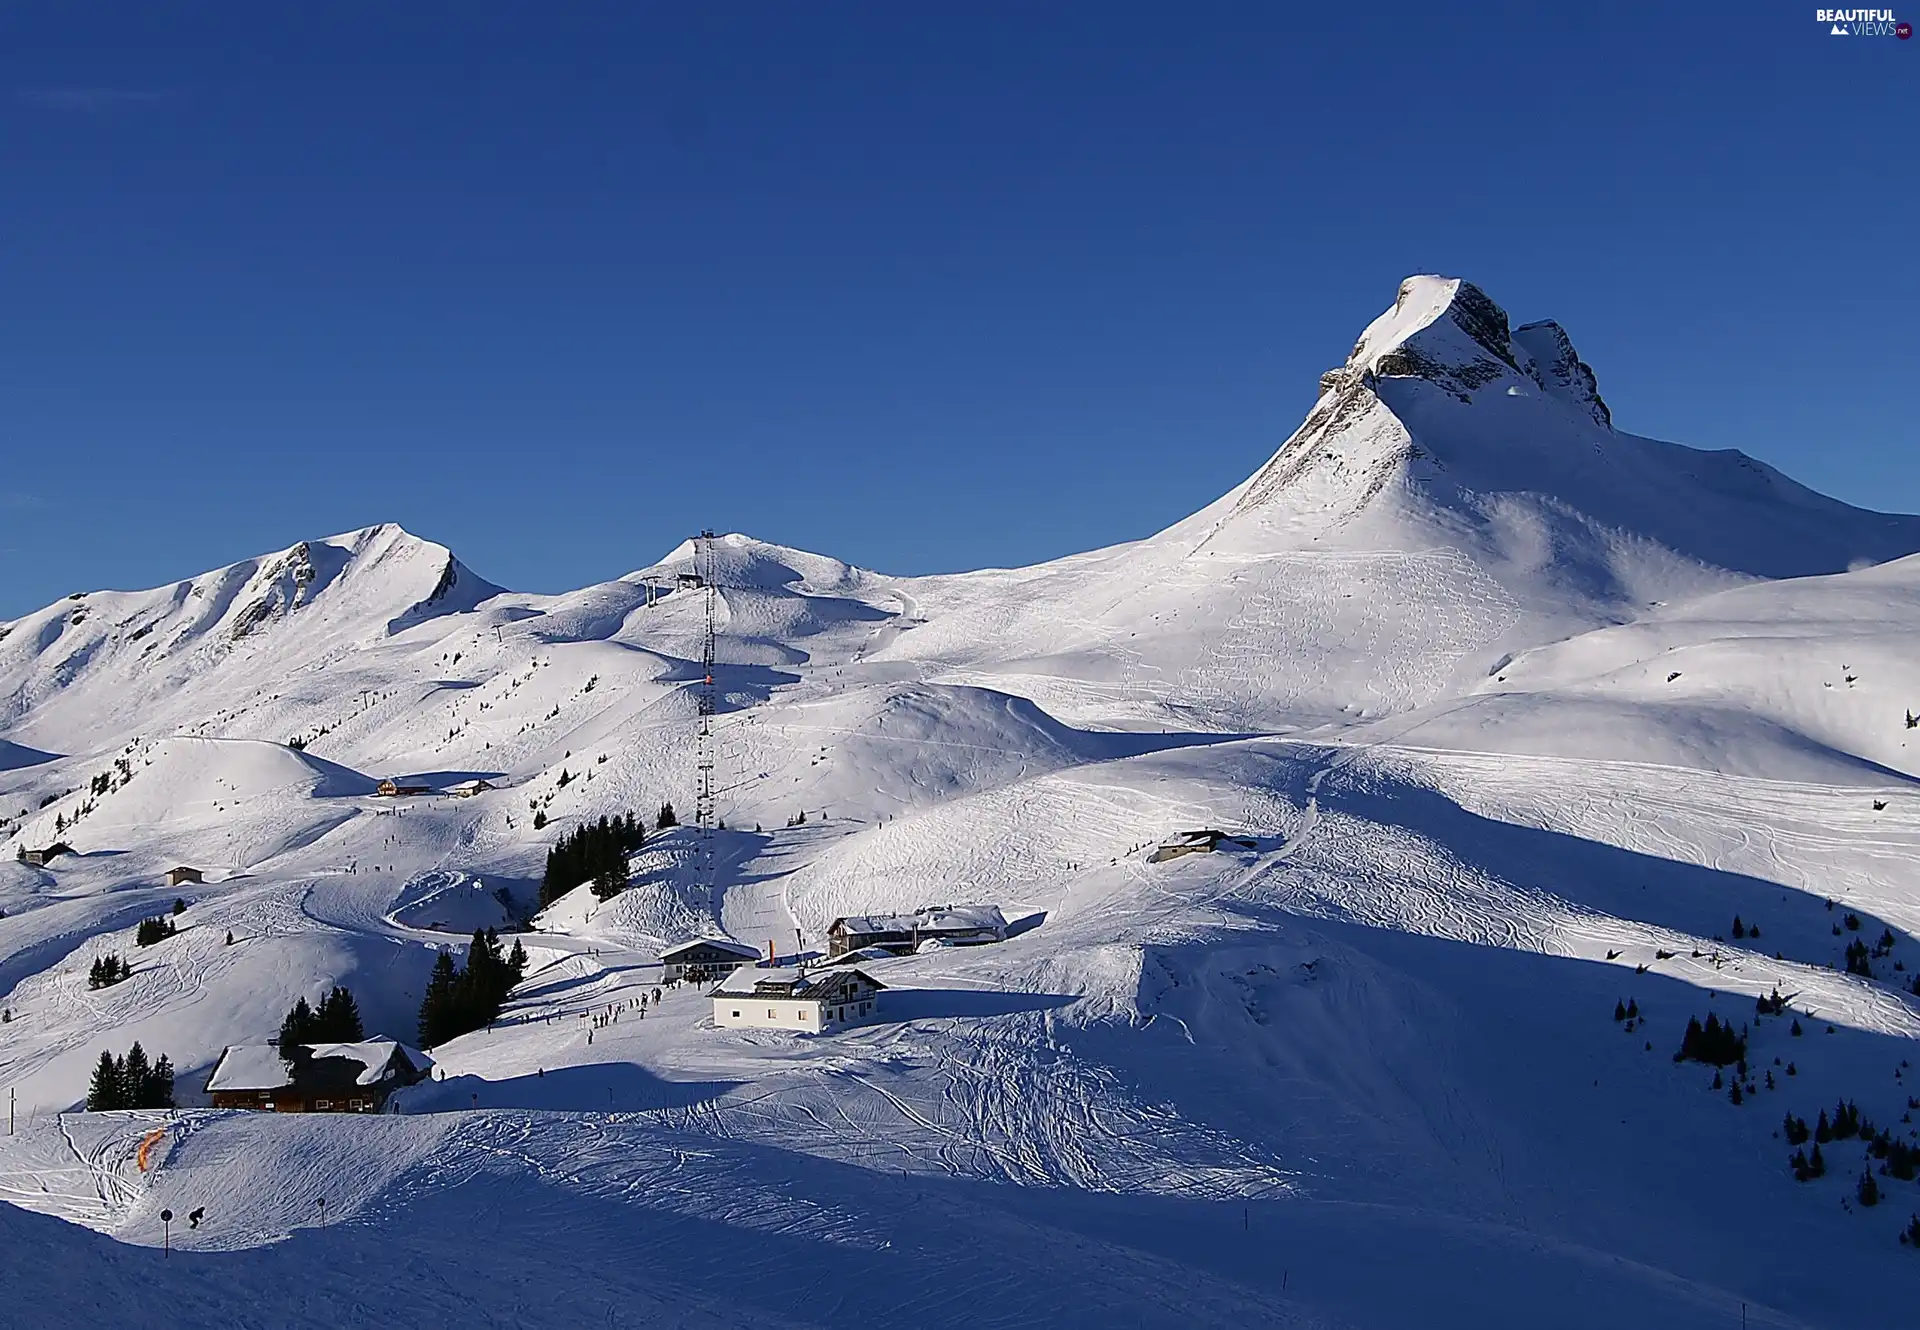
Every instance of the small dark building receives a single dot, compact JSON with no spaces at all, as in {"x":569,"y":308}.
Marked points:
{"x":959,"y":925}
{"x":42,"y":857}
{"x":178,"y":877}
{"x":392,"y":789}
{"x":706,"y":959}
{"x":322,"y":1078}
{"x":1195,"y":842}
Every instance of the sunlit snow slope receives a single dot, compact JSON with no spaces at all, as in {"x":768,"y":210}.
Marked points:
{"x":1515,"y":714}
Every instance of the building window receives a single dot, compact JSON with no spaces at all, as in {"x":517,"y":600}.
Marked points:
{"x":323,"y":1104}
{"x":772,"y":1015}
{"x":736,"y":1015}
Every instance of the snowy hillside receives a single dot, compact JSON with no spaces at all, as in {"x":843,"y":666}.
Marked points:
{"x":1513,"y":716}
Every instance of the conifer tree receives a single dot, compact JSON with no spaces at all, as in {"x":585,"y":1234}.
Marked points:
{"x":667,"y":818}
{"x":435,"y":1007}
{"x":337,"y":1021}
{"x":1868,"y":1191}
{"x":105,"y":1092}
{"x":296,"y":1029}
{"x":160,"y":1084}
{"x":135,"y":1074}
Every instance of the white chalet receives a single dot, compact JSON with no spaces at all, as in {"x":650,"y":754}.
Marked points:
{"x":790,"y":999}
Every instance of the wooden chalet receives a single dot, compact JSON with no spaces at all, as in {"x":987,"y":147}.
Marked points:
{"x":47,"y":854}
{"x":958,"y":925}
{"x":391,"y":789}
{"x":322,"y":1078}
{"x":705,"y":959}
{"x":179,"y":877}
{"x":1205,"y":841}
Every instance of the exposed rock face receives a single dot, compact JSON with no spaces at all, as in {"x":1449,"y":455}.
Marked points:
{"x":1467,"y":347}
{"x":281,"y":588}
{"x":1558,"y":369}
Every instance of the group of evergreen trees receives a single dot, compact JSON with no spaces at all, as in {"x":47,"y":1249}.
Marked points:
{"x":1845,"y":1123}
{"x":593,"y":852}
{"x":157,"y":929}
{"x":1901,"y":1160}
{"x":1713,"y":1042}
{"x":1808,"y":1167}
{"x":335,"y":1021}
{"x":131,"y":1082}
{"x":107,"y":971}
{"x":462,"y":999}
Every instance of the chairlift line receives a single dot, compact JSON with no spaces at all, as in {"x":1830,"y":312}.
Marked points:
{"x":704,"y":805}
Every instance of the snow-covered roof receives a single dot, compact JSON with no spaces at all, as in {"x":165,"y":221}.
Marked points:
{"x":722,"y":943}
{"x":933,"y":919}
{"x":956,"y":918}
{"x":373,"y":1054}
{"x":880,"y":923}
{"x":785,"y":981}
{"x":250,"y":1067}
{"x":749,"y":977}
{"x":260,"y":1066}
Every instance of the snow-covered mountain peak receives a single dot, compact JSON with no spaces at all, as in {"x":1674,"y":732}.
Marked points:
{"x":1447,"y":426}
{"x":1450,"y":333}
{"x":743,"y":562}
{"x":1551,"y":362}
{"x":257,"y":620}
{"x":1441,"y":329}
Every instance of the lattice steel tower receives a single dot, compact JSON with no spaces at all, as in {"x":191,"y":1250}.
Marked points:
{"x":704,"y":811}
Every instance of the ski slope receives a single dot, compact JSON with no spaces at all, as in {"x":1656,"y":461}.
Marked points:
{"x":1515,"y":711}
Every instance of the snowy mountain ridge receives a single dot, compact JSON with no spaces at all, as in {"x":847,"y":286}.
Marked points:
{"x":1513,"y":717}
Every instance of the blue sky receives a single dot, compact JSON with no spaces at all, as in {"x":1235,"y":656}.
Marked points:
{"x":926,"y":287}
